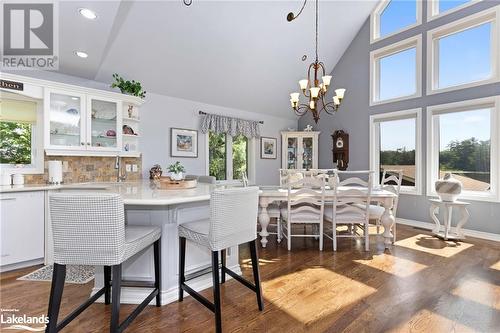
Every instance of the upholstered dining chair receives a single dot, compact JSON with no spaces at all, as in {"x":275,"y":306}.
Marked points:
{"x":89,"y":229}
{"x":305,"y":206}
{"x":350,"y":207}
{"x":233,"y":214}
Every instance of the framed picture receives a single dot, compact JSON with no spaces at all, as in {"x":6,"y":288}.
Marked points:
{"x":268,"y":147}
{"x":183,"y":142}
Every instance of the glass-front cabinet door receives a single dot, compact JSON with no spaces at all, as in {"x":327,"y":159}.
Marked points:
{"x":292,"y":153}
{"x":307,"y":152}
{"x":66,"y":120}
{"x":104,"y":124}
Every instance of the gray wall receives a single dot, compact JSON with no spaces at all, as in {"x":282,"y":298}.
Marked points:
{"x":352,"y":73}
{"x":159,"y":113}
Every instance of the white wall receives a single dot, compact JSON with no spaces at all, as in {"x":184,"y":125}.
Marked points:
{"x":159,"y":113}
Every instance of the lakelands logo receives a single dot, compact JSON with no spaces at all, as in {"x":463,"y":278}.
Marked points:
{"x":22,"y":322}
{"x":29,"y":37}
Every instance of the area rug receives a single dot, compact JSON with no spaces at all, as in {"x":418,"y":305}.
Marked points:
{"x":77,"y":274}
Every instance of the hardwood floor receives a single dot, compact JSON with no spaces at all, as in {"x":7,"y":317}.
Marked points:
{"x":421,"y":285}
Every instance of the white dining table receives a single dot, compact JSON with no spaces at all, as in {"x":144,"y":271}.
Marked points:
{"x":276,"y":194}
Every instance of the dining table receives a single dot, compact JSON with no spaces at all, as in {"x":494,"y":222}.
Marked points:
{"x":277,"y":194}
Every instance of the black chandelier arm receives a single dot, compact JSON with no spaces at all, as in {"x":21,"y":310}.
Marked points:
{"x":329,"y":108}
{"x":291,"y":16}
{"x":301,"y":109}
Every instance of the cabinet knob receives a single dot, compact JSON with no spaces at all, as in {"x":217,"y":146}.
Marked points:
{"x":82,"y":143}
{"x":88,"y":143}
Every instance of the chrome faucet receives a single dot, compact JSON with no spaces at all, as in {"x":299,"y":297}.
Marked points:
{"x":118,"y":167}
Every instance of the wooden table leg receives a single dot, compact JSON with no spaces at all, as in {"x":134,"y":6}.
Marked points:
{"x":263,"y":220}
{"x":432,"y":212}
{"x":387,"y":221}
{"x":464,"y":217}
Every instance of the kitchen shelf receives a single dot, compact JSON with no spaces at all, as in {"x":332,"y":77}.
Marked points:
{"x":130,"y":136}
{"x":135,"y":120}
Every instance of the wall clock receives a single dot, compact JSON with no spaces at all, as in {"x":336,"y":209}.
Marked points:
{"x":340,"y":149}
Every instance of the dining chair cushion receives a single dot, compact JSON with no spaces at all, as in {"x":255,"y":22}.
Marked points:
{"x":375,"y":211}
{"x":196,"y":231}
{"x":343,"y":218}
{"x":138,"y":237}
{"x":300,"y":216}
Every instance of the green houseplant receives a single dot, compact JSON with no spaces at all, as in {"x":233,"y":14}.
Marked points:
{"x":176,"y":170}
{"x":133,"y":87}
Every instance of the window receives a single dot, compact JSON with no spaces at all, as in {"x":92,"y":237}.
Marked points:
{"x":438,"y":8}
{"x":463,"y":53}
{"x":20,"y":135}
{"x":228,"y":156}
{"x":394,"y":16}
{"x":395,"y":71}
{"x":395,"y":145}
{"x":463,"y":140}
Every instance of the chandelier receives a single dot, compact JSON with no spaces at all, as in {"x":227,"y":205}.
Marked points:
{"x":314,"y":90}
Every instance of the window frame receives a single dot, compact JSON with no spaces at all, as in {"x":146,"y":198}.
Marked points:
{"x":375,"y":21}
{"x":375,"y":146}
{"x":433,"y":9}
{"x":376,"y":55}
{"x":251,"y":157}
{"x":472,"y":21}
{"x":37,"y":152}
{"x":492,"y":102}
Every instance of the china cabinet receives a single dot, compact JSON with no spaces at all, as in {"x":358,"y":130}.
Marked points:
{"x":299,"y":150}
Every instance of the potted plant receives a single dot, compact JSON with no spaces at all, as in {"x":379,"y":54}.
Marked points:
{"x":176,"y":170}
{"x":133,"y":87}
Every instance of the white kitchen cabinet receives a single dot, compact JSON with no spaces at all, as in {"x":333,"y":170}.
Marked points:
{"x":299,"y":150}
{"x":22,"y":227}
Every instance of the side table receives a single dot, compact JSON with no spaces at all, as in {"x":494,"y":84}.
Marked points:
{"x":447,"y":214}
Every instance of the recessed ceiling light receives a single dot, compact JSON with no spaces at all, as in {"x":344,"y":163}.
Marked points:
{"x":81,"y":54}
{"x":87,"y":13}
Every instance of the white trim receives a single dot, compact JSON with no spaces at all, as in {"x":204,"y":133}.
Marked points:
{"x":433,"y":145}
{"x":376,"y":55}
{"x":375,"y":21}
{"x":375,"y":139}
{"x":433,"y":36}
{"x":433,"y":9}
{"x":467,"y":232}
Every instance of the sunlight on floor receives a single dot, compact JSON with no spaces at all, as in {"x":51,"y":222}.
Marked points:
{"x":315,"y":294}
{"x":247,"y":263}
{"x":479,"y":291}
{"x":496,"y":266}
{"x":433,"y":245}
{"x":428,"y":321}
{"x":398,"y":266}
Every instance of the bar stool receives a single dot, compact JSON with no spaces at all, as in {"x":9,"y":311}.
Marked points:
{"x":233,"y":215}
{"x":91,"y":230}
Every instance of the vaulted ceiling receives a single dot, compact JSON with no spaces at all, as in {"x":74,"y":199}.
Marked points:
{"x":239,"y":54}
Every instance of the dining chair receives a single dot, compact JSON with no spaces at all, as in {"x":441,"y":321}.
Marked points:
{"x":351,"y":203}
{"x":305,"y":205}
{"x":203,"y":179}
{"x":233,"y":213}
{"x":392,"y":184}
{"x":89,"y":229}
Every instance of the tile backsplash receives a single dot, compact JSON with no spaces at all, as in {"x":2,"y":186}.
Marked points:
{"x":87,"y":169}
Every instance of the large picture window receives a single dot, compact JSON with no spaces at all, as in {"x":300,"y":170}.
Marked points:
{"x":463,"y":141}
{"x":396,"y":72}
{"x":395,"y":145}
{"x":438,"y":8}
{"x":228,"y":156}
{"x":477,"y":61}
{"x":394,"y":16}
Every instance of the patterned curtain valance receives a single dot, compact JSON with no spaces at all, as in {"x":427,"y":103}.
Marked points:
{"x":231,"y":126}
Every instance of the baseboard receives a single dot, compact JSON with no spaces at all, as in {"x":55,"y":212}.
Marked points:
{"x":467,"y":232}
{"x":132,"y":295}
{"x":24,"y":264}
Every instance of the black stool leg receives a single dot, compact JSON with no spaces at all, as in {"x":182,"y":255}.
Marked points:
{"x":157,"y":259}
{"x":115,"y":305}
{"x":107,"y":284}
{"x":223,"y":265}
{"x":256,"y":274}
{"x":56,"y":291}
{"x":182,"y":264}
{"x":215,"y":278}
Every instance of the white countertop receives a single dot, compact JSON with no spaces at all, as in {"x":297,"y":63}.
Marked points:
{"x":133,"y":193}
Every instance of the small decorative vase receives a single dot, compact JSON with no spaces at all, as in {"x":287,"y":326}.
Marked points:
{"x":448,"y":188}
{"x":176,"y":176}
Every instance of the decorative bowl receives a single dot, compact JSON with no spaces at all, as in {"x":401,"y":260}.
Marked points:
{"x":448,"y":188}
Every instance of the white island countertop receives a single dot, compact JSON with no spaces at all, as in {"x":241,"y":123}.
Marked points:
{"x":133,"y":193}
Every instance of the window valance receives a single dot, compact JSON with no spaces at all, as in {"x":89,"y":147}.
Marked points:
{"x":229,"y":125}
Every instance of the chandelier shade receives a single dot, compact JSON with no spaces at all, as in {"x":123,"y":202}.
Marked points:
{"x":312,"y":88}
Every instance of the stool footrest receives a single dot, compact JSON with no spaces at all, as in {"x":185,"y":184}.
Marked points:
{"x":80,"y":309}
{"x":240,"y":279}
{"x":137,"y":310}
{"x":198,"y":297}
